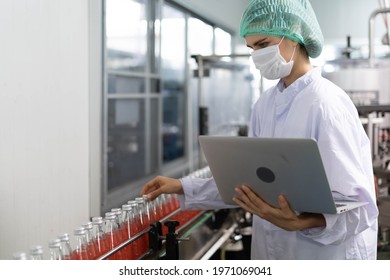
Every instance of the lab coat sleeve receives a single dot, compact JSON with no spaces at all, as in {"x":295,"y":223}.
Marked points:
{"x":201,"y":194}
{"x":345,"y":152}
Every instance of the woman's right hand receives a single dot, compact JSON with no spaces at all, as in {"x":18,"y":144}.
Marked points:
{"x":160,"y":185}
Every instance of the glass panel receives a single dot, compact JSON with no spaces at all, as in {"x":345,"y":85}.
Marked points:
{"x":155,"y":152}
{"x":154,"y":85}
{"x":200,"y":37}
{"x":155,"y":46}
{"x":223,"y":42}
{"x":126,"y":29}
{"x":228,"y":88}
{"x":126,"y":142}
{"x":124,"y":84}
{"x":173,"y":73}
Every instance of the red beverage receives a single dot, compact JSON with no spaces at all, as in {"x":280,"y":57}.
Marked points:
{"x":80,"y":255}
{"x":80,"y":252}
{"x":112,"y":235}
{"x":92,"y":249}
{"x":101,"y":246}
{"x":98,"y":236}
{"x":135,"y":227}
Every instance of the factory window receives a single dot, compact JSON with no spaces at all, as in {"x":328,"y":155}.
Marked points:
{"x":132,"y":102}
{"x":200,"y":37}
{"x":173,"y":55}
{"x":150,"y":121}
{"x":223,"y":42}
{"x":126,"y":31}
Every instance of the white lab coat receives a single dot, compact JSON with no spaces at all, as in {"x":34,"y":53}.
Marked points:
{"x":311,"y":107}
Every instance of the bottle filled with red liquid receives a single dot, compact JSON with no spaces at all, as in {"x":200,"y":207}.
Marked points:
{"x":164,"y":208}
{"x":176,"y":201}
{"x":92,"y":249}
{"x":55,"y":249}
{"x":98,"y":237}
{"x":135,"y":225}
{"x":118,"y":220}
{"x":66,"y":249}
{"x":159,"y":209}
{"x":127,"y":231}
{"x":36,"y":252}
{"x":144,"y":222}
{"x":150,"y":208}
{"x":112,"y":235}
{"x":81,"y":246}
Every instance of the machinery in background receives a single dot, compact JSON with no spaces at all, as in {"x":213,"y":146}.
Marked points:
{"x":367,"y":82}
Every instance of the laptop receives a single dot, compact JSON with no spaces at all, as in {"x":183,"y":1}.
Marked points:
{"x":273,"y":166}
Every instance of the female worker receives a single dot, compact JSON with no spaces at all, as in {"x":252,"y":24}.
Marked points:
{"x":283,"y":34}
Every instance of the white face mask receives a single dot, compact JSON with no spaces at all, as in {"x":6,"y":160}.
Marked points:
{"x":271,"y":63}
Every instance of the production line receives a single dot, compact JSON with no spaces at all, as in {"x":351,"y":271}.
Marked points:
{"x":102,"y":158}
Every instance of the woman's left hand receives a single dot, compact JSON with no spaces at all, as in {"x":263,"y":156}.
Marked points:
{"x":283,"y":217}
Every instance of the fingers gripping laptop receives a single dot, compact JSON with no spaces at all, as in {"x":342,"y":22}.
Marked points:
{"x":273,"y":166}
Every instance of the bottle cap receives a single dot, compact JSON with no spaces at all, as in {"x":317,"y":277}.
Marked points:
{"x":64,"y":237}
{"x":109,"y":214}
{"x":87,"y":226}
{"x":132,"y":202}
{"x":97,"y":220}
{"x":116,"y":210}
{"x":110,"y":217}
{"x":36,"y":250}
{"x":79,"y":231}
{"x":126,"y":207}
{"x":55,"y":243}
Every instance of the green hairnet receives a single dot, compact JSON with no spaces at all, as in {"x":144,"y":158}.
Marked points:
{"x":293,"y":19}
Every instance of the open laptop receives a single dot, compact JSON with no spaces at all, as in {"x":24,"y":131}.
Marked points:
{"x":273,"y":166}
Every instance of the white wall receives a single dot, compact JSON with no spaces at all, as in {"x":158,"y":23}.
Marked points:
{"x":44,"y":121}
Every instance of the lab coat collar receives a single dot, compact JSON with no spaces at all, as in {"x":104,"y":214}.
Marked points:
{"x":284,"y":96}
{"x":300,"y":83}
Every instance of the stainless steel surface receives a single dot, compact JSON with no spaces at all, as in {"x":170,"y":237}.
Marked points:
{"x":205,"y":241}
{"x":372,"y":29}
{"x":219,"y":243}
{"x":364,"y":81}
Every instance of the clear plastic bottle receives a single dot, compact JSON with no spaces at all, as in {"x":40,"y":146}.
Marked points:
{"x":66,"y":249}
{"x":36,"y":252}
{"x":92,"y":248}
{"x":98,"y":235}
{"x":81,"y":248}
{"x":55,"y":250}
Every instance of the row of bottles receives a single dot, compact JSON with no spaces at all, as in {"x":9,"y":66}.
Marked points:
{"x":102,"y":234}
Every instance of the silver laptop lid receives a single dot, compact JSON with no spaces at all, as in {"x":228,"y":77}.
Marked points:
{"x":270,"y":166}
